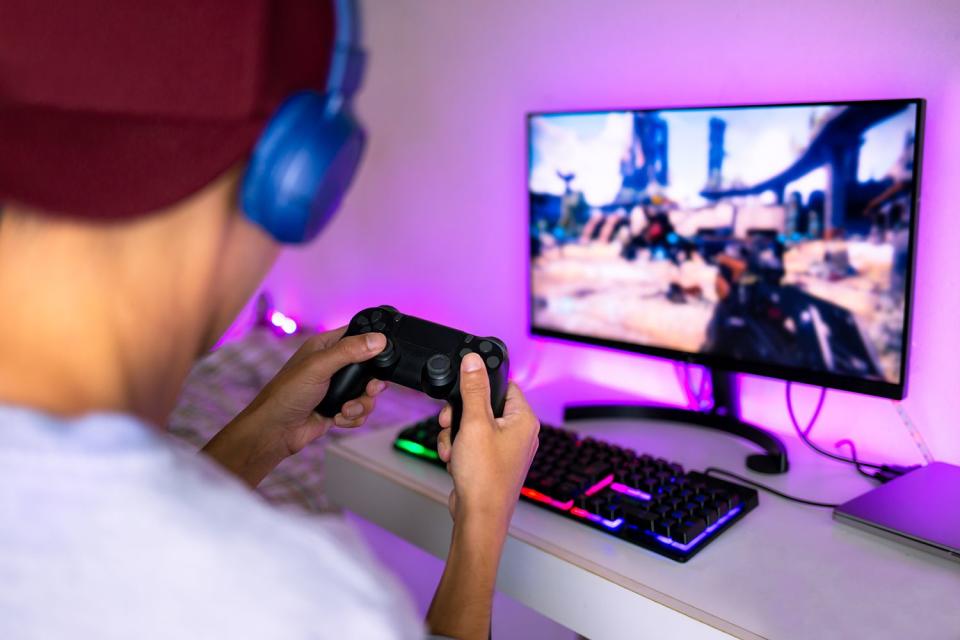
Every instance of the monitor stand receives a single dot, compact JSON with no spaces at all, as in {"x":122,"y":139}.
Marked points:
{"x":724,"y":416}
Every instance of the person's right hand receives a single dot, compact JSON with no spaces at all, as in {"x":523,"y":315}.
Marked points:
{"x":490,"y":459}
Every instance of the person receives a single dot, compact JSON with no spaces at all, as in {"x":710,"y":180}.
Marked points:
{"x":125,"y":139}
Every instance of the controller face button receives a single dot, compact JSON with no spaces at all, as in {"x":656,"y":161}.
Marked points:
{"x":493,"y":362}
{"x":485,"y":347}
{"x":464,"y":352}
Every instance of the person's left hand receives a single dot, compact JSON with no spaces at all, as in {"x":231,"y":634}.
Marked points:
{"x":281,"y":420}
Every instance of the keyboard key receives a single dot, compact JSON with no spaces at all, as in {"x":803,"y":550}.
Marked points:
{"x":580,"y":481}
{"x":688,"y":530}
{"x":610,"y":511}
{"x":564,"y":492}
{"x":595,"y":471}
{"x":639,"y":517}
{"x":665,"y":526}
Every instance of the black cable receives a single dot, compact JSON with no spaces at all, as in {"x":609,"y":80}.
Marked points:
{"x":802,"y":433}
{"x":853,"y":455}
{"x":738,"y":477}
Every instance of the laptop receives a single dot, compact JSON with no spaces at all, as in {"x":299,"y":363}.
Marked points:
{"x":920,"y":508}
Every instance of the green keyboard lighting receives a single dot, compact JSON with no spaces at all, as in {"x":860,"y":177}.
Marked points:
{"x":416,"y":449}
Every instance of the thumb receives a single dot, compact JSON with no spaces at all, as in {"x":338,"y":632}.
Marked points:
{"x":321,"y":365}
{"x":475,"y":388}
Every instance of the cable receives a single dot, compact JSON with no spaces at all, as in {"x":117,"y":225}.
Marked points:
{"x":853,"y":454}
{"x":802,"y":433}
{"x":695,"y":399}
{"x":738,"y":477}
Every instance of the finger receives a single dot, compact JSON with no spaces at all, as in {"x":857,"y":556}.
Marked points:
{"x":475,"y":389}
{"x":444,"y":447}
{"x":315,"y":343}
{"x":358,"y":407}
{"x":323,"y":364}
{"x":445,"y":417}
{"x":452,"y":504}
{"x":516,"y":402}
{"x":348,"y":423}
{"x":375,"y":387}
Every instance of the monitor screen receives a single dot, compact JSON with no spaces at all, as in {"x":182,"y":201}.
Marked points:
{"x":773,"y":239}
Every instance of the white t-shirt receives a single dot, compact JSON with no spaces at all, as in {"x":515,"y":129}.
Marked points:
{"x":109,"y":529}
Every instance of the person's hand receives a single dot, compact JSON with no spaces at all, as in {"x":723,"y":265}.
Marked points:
{"x":490,"y":457}
{"x":281,"y":420}
{"x":488,"y":462}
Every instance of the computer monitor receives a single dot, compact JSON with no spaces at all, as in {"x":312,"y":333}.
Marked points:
{"x":770,"y":239}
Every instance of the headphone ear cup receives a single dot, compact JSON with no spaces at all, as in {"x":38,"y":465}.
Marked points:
{"x":301,"y":167}
{"x":340,"y":171}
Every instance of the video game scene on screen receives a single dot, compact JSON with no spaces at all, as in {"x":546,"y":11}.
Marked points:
{"x":775,"y":235}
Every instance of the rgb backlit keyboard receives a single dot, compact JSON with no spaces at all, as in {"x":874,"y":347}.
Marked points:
{"x":648,"y":501}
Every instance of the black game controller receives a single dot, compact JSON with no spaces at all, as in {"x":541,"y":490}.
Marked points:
{"x":419,"y":355}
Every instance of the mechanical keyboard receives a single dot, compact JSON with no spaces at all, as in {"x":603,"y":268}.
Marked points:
{"x":648,"y":501}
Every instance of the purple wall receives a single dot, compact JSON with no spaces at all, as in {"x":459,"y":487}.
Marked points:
{"x":436,"y":223}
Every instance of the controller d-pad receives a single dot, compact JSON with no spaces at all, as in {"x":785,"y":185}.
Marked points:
{"x":362,"y":321}
{"x":376,"y":315}
{"x":379,"y":326}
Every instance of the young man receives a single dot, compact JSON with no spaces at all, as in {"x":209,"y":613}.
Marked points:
{"x":124,"y":134}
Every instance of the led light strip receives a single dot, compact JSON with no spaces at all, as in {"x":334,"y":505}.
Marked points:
{"x":416,"y":449}
{"x":609,"y":524}
{"x":600,"y":485}
{"x":630,"y":491}
{"x":539,"y":497}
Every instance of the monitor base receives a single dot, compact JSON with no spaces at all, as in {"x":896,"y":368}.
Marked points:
{"x":723,"y":416}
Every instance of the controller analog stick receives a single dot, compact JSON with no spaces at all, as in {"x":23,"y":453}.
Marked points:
{"x":388,"y":356}
{"x":440,"y":369}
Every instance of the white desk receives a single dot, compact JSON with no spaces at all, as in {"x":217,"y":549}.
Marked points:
{"x":784,"y":571}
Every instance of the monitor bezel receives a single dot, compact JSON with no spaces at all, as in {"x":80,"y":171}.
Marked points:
{"x":880,"y":388}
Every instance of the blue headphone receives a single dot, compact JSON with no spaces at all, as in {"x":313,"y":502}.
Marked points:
{"x":306,"y":158}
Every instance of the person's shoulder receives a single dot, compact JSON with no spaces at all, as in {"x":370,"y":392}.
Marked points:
{"x":164,"y":543}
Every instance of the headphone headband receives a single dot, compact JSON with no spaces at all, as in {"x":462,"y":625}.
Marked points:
{"x":348,"y":59}
{"x":306,"y":158}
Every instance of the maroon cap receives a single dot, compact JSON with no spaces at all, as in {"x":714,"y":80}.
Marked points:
{"x":111,"y":109}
